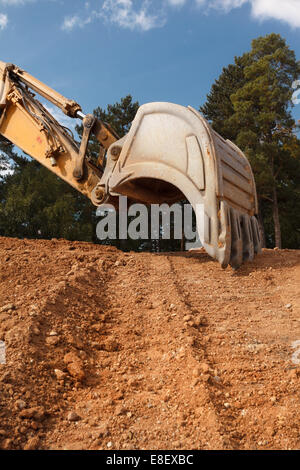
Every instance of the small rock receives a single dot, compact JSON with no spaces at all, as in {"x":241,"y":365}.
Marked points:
{"x":60,"y":375}
{"x":7,"y":377}
{"x":273,"y":399}
{"x":109,"y":445}
{"x":83,"y":355}
{"x":76,"y":342}
{"x":196,"y":372}
{"x":110,"y":345}
{"x":32,"y":444}
{"x":73,"y":417}
{"x":74,"y":366}
{"x":103,"y":430}
{"x":226,"y":405}
{"x":75,"y":370}
{"x":204,"y":367}
{"x":72,"y":357}
{"x":7,"y":444}
{"x":187,"y":318}
{"x":288,"y":306}
{"x":37,"y":414}
{"x":20,"y":404}
{"x":52,"y":340}
{"x":294,"y":373}
{"x":7,"y":307}
{"x":120,"y":410}
{"x":53,"y":333}
{"x":201,"y":321}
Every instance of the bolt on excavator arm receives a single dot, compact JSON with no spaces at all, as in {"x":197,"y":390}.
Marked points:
{"x":170,"y":153}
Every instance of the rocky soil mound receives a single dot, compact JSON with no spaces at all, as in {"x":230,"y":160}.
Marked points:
{"x":108,"y":350}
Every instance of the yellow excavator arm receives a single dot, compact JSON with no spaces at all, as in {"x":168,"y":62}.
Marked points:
{"x":170,"y":153}
{"x":27,"y":124}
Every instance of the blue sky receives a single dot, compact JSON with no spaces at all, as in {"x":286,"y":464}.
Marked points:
{"x":97,"y":51}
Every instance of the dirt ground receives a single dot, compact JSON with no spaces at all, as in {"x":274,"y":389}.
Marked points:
{"x":108,"y":350}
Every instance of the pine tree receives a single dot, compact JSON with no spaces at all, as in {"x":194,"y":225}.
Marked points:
{"x":256,"y":115}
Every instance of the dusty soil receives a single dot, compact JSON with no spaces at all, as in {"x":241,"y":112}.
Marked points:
{"x":107,"y":350}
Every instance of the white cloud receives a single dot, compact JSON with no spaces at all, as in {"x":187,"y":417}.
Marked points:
{"x":144,"y":15}
{"x":287,"y":10}
{"x":127,"y":14}
{"x":222,"y":5}
{"x":71,"y":22}
{"x":176,"y":3}
{"x":15,"y":2}
{"x":3,"y":21}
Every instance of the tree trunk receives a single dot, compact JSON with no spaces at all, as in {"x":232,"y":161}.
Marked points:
{"x":261,"y":229}
{"x":276,"y":220}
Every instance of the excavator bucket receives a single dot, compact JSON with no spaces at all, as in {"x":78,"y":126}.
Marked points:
{"x":171,"y":153}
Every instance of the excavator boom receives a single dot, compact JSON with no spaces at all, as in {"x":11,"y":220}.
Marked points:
{"x":170,"y":153}
{"x":31,"y":127}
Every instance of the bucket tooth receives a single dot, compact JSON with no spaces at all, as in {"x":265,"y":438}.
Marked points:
{"x":236,"y":258}
{"x":256,"y":235}
{"x":225,"y":235}
{"x":248,"y":245}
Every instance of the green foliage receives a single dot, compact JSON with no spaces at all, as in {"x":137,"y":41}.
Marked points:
{"x":218,"y":106}
{"x":37,"y":204}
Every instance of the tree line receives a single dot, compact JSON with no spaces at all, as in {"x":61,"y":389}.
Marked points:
{"x":250,"y":104}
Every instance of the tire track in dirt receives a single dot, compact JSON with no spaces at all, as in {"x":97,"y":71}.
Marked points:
{"x":152,"y":392}
{"x":195,"y":302}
